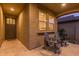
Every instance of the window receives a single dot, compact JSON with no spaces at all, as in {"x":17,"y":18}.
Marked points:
{"x":51,"y":22}
{"x":10,"y":21}
{"x":13,"y":21}
{"x":42,"y":20}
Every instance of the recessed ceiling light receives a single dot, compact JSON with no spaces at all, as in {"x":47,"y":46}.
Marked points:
{"x":42,"y":14}
{"x":63,"y":4}
{"x":12,"y":9}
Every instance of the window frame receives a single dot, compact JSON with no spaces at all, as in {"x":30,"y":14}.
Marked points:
{"x":42,"y":21}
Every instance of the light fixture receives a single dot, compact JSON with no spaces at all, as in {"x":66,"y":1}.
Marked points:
{"x":63,"y":4}
{"x":12,"y":9}
{"x":42,"y":14}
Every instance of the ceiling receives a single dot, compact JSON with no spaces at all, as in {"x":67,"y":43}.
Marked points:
{"x":18,"y":7}
{"x":57,"y":8}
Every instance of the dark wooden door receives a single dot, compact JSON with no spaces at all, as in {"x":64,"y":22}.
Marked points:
{"x":10,"y":28}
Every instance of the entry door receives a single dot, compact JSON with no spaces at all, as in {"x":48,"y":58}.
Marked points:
{"x":10,"y":28}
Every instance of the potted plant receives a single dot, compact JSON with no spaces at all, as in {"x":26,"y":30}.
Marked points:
{"x":63,"y":37}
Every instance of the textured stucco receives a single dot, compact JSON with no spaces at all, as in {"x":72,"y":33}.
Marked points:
{"x":23,"y":26}
{"x":2,"y":30}
{"x":28,"y":26}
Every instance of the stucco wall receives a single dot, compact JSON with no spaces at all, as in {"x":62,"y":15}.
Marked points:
{"x":2,"y":30}
{"x":35,"y":39}
{"x":23,"y":27}
{"x":33,"y":26}
{"x":28,"y":27}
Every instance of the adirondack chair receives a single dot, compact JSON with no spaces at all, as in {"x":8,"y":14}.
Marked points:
{"x":52,"y":41}
{"x":57,"y":44}
{"x":47,"y":40}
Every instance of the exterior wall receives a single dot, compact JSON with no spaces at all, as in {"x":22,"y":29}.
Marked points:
{"x":77,"y":32}
{"x":35,"y":39}
{"x":72,"y":30}
{"x":34,"y":26}
{"x":23,"y":26}
{"x":69,"y":28}
{"x":2,"y":30}
{"x":28,"y":27}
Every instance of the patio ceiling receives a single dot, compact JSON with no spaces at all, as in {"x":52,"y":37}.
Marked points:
{"x":57,"y":8}
{"x":60,"y":9}
{"x":12,"y":8}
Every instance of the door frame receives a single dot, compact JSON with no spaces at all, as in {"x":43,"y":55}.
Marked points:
{"x":15,"y":25}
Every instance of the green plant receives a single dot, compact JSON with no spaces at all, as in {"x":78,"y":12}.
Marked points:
{"x":62,"y":34}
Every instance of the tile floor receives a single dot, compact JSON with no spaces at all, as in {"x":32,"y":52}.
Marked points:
{"x":15,"y":48}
